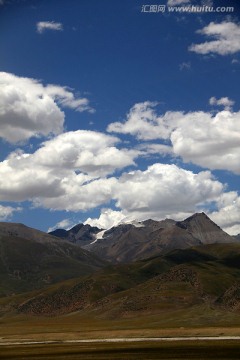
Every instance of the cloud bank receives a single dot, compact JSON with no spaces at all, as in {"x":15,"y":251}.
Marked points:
{"x":82,"y":170}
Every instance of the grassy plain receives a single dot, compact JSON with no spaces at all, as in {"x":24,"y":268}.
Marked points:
{"x":197,"y":321}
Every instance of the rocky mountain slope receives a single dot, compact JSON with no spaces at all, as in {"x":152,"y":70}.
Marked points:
{"x":127,"y":242}
{"x":204,"y":229}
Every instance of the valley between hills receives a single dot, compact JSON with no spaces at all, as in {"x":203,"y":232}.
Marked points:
{"x":148,"y":279}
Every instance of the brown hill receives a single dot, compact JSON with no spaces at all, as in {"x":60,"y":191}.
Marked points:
{"x":31,"y":259}
{"x":182,"y":279}
{"x":20,"y":230}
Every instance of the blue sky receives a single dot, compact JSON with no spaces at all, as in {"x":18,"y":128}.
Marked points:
{"x":115,"y":110}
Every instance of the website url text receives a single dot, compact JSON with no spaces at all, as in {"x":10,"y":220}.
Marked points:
{"x":186,"y":9}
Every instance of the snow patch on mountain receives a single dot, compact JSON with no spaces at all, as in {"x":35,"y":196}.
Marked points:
{"x":103,"y":234}
{"x":135,"y":223}
{"x":98,"y":236}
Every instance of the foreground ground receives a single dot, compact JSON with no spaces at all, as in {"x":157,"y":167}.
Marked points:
{"x":58,"y":337}
{"x":208,"y":349}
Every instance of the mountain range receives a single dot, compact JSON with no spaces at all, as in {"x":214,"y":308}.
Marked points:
{"x":140,"y":240}
{"x":135,"y":269}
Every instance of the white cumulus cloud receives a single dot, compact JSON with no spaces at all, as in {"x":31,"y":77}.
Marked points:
{"x":66,"y":173}
{"x":206,"y":139}
{"x":167,"y":191}
{"x":143,"y":122}
{"x":87,"y":151}
{"x":78,"y":195}
{"x":164,"y":188}
{"x":107,"y":219}
{"x":28,"y":108}
{"x":63,"y":224}
{"x":48,"y":25}
{"x":226,"y":39}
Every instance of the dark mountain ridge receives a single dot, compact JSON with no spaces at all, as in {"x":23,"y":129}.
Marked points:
{"x":80,"y":234}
